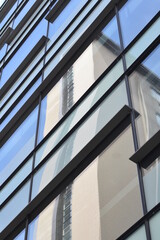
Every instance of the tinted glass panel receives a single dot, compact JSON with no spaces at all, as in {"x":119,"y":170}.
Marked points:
{"x":151,"y":178}
{"x":78,"y":140}
{"x":145,"y":88}
{"x":105,"y":195}
{"x":139,"y":234}
{"x":14,"y":206}
{"x":23,"y":51}
{"x":154,"y":226}
{"x":16,"y":180}
{"x":19,"y":145}
{"x":133,"y":12}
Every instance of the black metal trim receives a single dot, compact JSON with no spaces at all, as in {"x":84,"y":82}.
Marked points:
{"x":148,"y":152}
{"x":6,"y":9}
{"x":23,"y":21}
{"x":56,"y":10}
{"x":5,"y":36}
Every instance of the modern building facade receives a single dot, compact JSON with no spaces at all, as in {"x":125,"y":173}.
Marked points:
{"x":80,"y":119}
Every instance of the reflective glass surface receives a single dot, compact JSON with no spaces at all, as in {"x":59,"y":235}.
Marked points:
{"x":16,"y":180}
{"x":8,"y":15}
{"x":146,"y":39}
{"x":20,"y":103}
{"x":154,"y":226}
{"x":14,"y":206}
{"x":145,"y":89}
{"x":20,"y":236}
{"x":105,"y":195}
{"x":78,"y":140}
{"x":81,"y":75}
{"x":50,"y":111}
{"x":23,"y":12}
{"x":18,"y":146}
{"x":151,"y":179}
{"x":23,"y":51}
{"x":133,"y":12}
{"x":140,"y":234}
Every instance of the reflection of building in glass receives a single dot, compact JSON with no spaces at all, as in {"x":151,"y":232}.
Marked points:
{"x":80,"y":120}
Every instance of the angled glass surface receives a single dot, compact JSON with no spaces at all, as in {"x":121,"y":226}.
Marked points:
{"x":23,"y":51}
{"x":140,"y":234}
{"x":145,"y":89}
{"x":16,"y":180}
{"x":49,"y":109}
{"x":74,"y":37}
{"x":65,"y":17}
{"x":133,"y":12}
{"x":154,"y":226}
{"x":18,"y":146}
{"x":20,"y":103}
{"x":20,"y":236}
{"x":146,"y":39}
{"x":5,"y":19}
{"x":14,"y":206}
{"x":23,"y":12}
{"x":106,"y":195}
{"x":151,"y":179}
{"x":29,"y":74}
{"x":78,"y":140}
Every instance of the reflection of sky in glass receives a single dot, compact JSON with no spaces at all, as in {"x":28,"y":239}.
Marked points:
{"x":153,"y":62}
{"x":135,"y":15}
{"x":111,"y":31}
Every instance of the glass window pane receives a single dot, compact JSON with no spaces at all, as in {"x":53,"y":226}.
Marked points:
{"x":154,"y":226}
{"x":20,"y":103}
{"x":21,"y":236}
{"x":15,"y":206}
{"x":80,"y":76}
{"x":23,"y":51}
{"x":49,"y":111}
{"x":78,"y":140}
{"x":133,"y":12}
{"x":106,"y":195}
{"x":151,"y":178}
{"x":16,"y":180}
{"x":147,"y":38}
{"x":18,"y":146}
{"x":144,"y":81}
{"x":140,"y":234}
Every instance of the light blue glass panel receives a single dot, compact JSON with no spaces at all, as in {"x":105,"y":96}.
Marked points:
{"x":145,"y":91}
{"x":18,"y":146}
{"x":78,"y":113}
{"x":21,"y":103}
{"x":14,"y":206}
{"x":16,"y":180}
{"x":23,"y":12}
{"x":133,"y":12}
{"x":140,"y":234}
{"x":79,"y":139}
{"x":74,"y":36}
{"x":20,"y":236}
{"x":147,"y":38}
{"x":28,"y":71}
{"x":154,"y":226}
{"x":65,"y":17}
{"x":151,"y":181}
{"x":23,"y":51}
